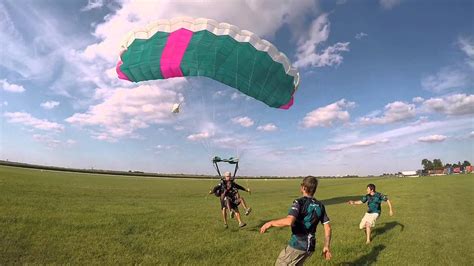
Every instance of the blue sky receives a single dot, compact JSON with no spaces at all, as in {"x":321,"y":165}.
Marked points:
{"x":384,"y":84}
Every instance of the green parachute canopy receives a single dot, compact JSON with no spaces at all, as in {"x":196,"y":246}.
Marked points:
{"x":203,"y":47}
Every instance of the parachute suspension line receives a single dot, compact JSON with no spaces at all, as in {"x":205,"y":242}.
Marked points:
{"x":204,"y":140}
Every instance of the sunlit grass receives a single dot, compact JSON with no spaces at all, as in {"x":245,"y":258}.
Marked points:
{"x":59,"y":217}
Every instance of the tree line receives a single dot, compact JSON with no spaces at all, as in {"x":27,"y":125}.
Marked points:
{"x":437,"y":164}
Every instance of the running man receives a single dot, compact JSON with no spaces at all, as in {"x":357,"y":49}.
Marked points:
{"x":374,"y":201}
{"x":303,"y":216}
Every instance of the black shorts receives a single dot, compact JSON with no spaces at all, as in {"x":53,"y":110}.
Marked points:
{"x":234,"y":203}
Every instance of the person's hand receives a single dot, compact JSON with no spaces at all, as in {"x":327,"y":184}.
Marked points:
{"x":326,"y":254}
{"x":248,"y":190}
{"x":210,"y":191}
{"x":391,"y":213}
{"x":351,"y":202}
{"x":265,"y":227}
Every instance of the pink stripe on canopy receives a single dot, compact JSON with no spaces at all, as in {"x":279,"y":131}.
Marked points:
{"x":173,"y":53}
{"x":120,"y":73}
{"x":288,"y":105}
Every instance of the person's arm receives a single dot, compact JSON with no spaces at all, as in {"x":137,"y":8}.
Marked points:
{"x":355,"y":202}
{"x":390,"y":207}
{"x":327,"y":241}
{"x":241,"y":187}
{"x":214,"y":189}
{"x":287,"y":221}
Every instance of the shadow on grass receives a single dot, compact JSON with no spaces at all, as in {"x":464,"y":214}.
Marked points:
{"x":367,"y":259}
{"x":257,"y":226}
{"x":339,"y":200}
{"x":386,"y":227}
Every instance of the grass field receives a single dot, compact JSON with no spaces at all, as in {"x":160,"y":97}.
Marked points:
{"x":60,"y":217}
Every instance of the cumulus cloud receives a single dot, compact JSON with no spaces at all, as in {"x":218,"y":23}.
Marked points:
{"x":49,"y":104}
{"x":389,"y":4}
{"x":457,"y":104}
{"x":33,"y":122}
{"x":199,"y":136}
{"x":328,"y":115}
{"x":261,"y":17}
{"x":394,"y":112}
{"x":267,"y":127}
{"x":6,"y":86}
{"x":127,"y":110}
{"x":406,"y":135}
{"x":467,"y":46}
{"x":52,"y":142}
{"x":445,"y":80}
{"x":287,"y":151}
{"x":418,"y":100}
{"x":361,"y":35}
{"x":235,"y":142}
{"x":357,"y":144}
{"x":243,"y":121}
{"x":432,"y":138}
{"x":93,"y":4}
{"x":307,"y":50}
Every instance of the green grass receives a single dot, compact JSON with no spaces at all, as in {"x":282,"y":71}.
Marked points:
{"x":60,"y":217}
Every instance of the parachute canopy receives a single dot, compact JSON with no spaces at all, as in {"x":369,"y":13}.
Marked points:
{"x":203,"y":47}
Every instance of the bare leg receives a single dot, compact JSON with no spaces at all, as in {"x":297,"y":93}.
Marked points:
{"x":224,"y":215}
{"x":367,"y":232}
{"x":243,"y":202}
{"x":237,"y":216}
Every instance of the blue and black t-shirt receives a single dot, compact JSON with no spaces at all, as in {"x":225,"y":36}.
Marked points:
{"x":308,"y":213}
{"x":374,"y":202}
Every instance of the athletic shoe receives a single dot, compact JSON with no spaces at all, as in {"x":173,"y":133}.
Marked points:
{"x":242,"y":225}
{"x":247,"y":211}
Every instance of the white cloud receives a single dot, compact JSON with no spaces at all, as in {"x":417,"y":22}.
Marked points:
{"x":457,"y":104}
{"x":446,"y":79}
{"x":261,"y":17}
{"x":93,"y":4}
{"x":289,"y":151}
{"x":467,"y":46}
{"x":389,"y":4}
{"x":307,"y":51}
{"x":127,"y":110}
{"x":471,"y":134}
{"x":418,"y":100}
{"x":267,"y":127}
{"x":52,"y":142}
{"x":361,"y":35}
{"x":244,"y":121}
{"x":405,"y":136}
{"x":199,"y":136}
{"x":235,"y":142}
{"x":432,"y":138}
{"x":394,"y":112}
{"x":358,"y":144}
{"x":328,"y":115}
{"x":6,"y":86}
{"x":30,"y":121}
{"x":49,"y":104}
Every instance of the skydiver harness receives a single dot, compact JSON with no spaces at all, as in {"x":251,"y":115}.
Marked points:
{"x":231,"y":160}
{"x":215,"y":161}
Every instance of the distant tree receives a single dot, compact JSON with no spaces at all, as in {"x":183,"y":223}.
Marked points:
{"x":447,"y":165}
{"x":437,"y":164}
{"x":466,"y":163}
{"x":427,"y":164}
